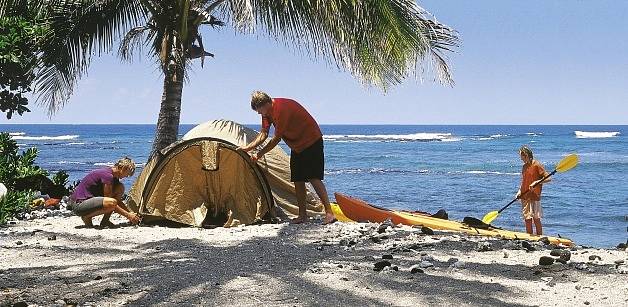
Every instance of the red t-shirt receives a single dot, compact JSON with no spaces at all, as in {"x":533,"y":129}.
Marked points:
{"x":292,"y":123}
{"x":530,"y":173}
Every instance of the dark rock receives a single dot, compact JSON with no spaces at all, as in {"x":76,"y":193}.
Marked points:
{"x":555,"y":252}
{"x":376,"y":239}
{"x":369,"y":258}
{"x":587,"y":303}
{"x":20,"y":304}
{"x":563,"y":254}
{"x":546,"y":260}
{"x":19,"y":243}
{"x":559,"y":260}
{"x":385,"y":225}
{"x":344,"y":279}
{"x":416,"y":269}
{"x":441,"y":214}
{"x":380,"y":265}
{"x":98,"y":277}
{"x":594,"y":257}
{"x":387,"y":256}
{"x":426,"y":264}
{"x":395,"y":268}
{"x":427,"y":230}
{"x":527,"y":246}
{"x":620,"y":261}
{"x":536,"y":272}
{"x":52,"y":238}
{"x":621,"y":246}
{"x":484,"y":247}
{"x":545,"y":241}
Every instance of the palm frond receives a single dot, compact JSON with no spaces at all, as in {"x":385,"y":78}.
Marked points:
{"x":381,"y":42}
{"x":78,"y":31}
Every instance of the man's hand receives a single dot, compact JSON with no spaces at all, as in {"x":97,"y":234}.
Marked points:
{"x":535,"y":183}
{"x":134,"y":219}
{"x":518,"y":194}
{"x":254,"y":157}
{"x":244,"y":148}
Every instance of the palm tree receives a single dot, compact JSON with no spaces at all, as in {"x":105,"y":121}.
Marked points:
{"x":380,"y":42}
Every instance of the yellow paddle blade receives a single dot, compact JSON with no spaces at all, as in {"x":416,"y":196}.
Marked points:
{"x":338,"y":213}
{"x":490,"y":217}
{"x":567,"y":163}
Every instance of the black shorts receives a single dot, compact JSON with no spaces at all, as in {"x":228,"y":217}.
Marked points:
{"x":87,"y":206}
{"x":308,"y":164}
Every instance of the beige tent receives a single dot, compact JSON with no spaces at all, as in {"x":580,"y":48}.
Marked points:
{"x":203,"y":176}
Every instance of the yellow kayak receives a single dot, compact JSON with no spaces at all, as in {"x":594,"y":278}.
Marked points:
{"x":354,"y":209}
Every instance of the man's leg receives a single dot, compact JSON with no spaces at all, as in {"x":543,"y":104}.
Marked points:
{"x":118,"y":191}
{"x":529,"y":226}
{"x":539,"y":227}
{"x":321,"y":191}
{"x":299,"y":187}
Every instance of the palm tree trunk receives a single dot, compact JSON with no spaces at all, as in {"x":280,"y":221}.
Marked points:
{"x":170,"y":112}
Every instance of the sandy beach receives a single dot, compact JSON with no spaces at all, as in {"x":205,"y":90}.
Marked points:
{"x":51,"y":261}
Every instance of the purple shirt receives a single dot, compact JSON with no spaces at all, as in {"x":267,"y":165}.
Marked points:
{"x":92,"y":185}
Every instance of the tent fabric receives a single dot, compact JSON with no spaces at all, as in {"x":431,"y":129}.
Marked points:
{"x":200,"y":178}
{"x":275,"y":164}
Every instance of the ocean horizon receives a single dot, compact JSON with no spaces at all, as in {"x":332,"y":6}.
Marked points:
{"x":467,"y":170}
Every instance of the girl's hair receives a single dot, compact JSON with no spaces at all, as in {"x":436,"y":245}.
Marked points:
{"x":259,"y":99}
{"x":126,"y":163}
{"x":526,"y":151}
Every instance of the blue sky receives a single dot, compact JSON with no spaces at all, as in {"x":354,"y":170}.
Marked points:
{"x":520,"y":62}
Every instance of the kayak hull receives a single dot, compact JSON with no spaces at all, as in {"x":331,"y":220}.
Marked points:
{"x":360,"y":211}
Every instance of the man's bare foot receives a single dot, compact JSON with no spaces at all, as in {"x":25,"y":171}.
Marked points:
{"x":298,"y":220}
{"x":329,"y":218}
{"x":108,"y":224}
{"x":87,"y":221}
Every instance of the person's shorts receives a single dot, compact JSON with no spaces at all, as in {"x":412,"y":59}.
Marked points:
{"x":87,"y":206}
{"x":531,"y":209}
{"x":308,"y":164}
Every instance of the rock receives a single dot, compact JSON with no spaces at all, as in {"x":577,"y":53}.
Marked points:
{"x":369,"y":258}
{"x":380,"y":265}
{"x":545,"y":241}
{"x":555,"y":252}
{"x":427,"y":230}
{"x":621,"y":246}
{"x":594,"y":257}
{"x":385,"y":225}
{"x":98,"y":277}
{"x":563,"y":254}
{"x":546,"y":260}
{"x":320,"y":248}
{"x":395,"y":268}
{"x":512,"y":245}
{"x":387,"y":256}
{"x":586,"y":302}
{"x":484,"y":247}
{"x":581,"y":266}
{"x":19,"y":243}
{"x":416,"y":269}
{"x":427,"y":258}
{"x":52,"y":238}
{"x":619,"y":261}
{"x":622,"y":269}
{"x":528,"y":246}
{"x":20,"y":304}
{"x":344,"y":279}
{"x":426,"y":264}
{"x":560,"y":260}
{"x":505,"y":254}
{"x":376,"y":239}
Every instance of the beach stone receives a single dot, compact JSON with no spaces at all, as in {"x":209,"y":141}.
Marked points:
{"x":587,"y":303}
{"x":376,"y":239}
{"x":384,"y":225}
{"x":619,"y":261}
{"x":426,"y":264}
{"x":395,"y":268}
{"x":20,"y":304}
{"x":563,"y":254}
{"x":560,"y":260}
{"x":427,"y":258}
{"x":581,"y":266}
{"x":528,"y":246}
{"x":427,"y":230}
{"x":369,"y":258}
{"x":387,"y":256}
{"x":52,"y":238}
{"x":622,"y":270}
{"x":380,"y":265}
{"x":546,"y":260}
{"x":416,"y":269}
{"x":621,"y":246}
{"x":505,"y":254}
{"x":545,"y":241}
{"x":19,"y":243}
{"x":484,"y":247}
{"x":594,"y":257}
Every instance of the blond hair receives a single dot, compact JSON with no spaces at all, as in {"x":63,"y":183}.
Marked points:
{"x":526,"y":151}
{"x":258,"y":99}
{"x":126,"y":164}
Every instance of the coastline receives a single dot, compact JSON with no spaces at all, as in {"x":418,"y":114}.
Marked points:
{"x":50,"y":261}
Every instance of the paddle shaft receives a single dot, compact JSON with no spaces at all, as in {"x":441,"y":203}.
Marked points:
{"x":526,"y":192}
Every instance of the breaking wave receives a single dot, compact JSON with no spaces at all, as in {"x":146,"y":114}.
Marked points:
{"x":595,"y":135}
{"x":425,"y":137}
{"x":44,"y":138}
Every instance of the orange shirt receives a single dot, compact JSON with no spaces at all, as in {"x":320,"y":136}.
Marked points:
{"x":292,"y":123}
{"x":530,"y":173}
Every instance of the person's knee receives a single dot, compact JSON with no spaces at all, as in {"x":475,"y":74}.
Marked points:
{"x":109,"y":203}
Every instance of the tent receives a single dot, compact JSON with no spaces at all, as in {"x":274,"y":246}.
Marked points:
{"x":203,"y":177}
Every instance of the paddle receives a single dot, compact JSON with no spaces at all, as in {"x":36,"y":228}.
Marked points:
{"x":564,"y":165}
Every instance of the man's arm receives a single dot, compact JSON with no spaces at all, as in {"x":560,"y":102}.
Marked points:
{"x":261,"y":137}
{"x":273,"y":142}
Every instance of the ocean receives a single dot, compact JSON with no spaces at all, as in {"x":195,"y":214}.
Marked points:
{"x":467,"y":170}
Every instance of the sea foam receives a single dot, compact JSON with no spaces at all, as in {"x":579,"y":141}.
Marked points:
{"x":595,"y":135}
{"x":45,"y":138}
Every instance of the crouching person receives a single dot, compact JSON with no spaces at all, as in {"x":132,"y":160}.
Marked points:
{"x":100,"y":193}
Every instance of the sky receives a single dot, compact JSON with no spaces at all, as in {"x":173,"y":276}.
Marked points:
{"x":520,"y":62}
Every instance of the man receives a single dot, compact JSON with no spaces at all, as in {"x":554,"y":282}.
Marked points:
{"x":100,"y":193}
{"x":529,"y":192}
{"x":301,"y":133}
